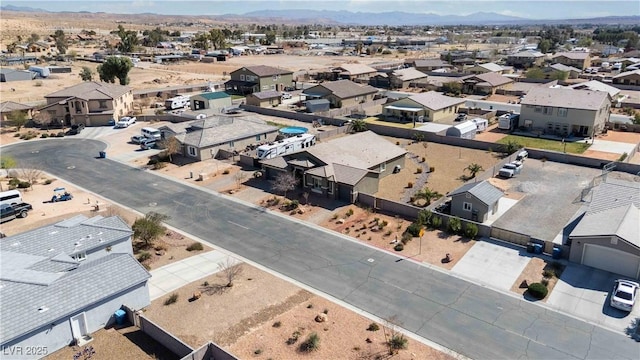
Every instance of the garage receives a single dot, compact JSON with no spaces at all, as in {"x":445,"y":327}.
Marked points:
{"x":611,"y":260}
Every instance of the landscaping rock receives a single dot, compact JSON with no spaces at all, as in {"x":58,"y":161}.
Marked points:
{"x":340,"y":221}
{"x":321,"y":318}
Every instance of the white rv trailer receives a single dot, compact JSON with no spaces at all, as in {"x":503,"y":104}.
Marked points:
{"x":285,"y":146}
{"x":177,"y":102}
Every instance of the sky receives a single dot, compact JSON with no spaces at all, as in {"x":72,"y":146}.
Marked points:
{"x":529,"y":9}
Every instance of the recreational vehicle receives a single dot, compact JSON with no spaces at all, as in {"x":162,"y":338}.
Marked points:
{"x":177,"y":102}
{"x":508,"y":121}
{"x":285,"y":146}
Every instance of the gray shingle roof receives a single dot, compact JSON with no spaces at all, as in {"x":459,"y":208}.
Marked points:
{"x":527,"y":54}
{"x":268,"y":94}
{"x":264,"y":70}
{"x":345,"y":89}
{"x":565,"y":98}
{"x":220,"y":130}
{"x":595,"y":85}
{"x":627,"y":73}
{"x":493,"y":79}
{"x":435,"y":100}
{"x":430,"y":63}
{"x":563,"y":67}
{"x":71,"y":292}
{"x":483,"y":191}
{"x":493,"y":67}
{"x":614,"y":210}
{"x":92,"y":90}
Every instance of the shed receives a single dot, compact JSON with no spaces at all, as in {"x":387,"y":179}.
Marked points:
{"x":317,"y":105}
{"x":481,"y":124}
{"x":475,"y":201}
{"x":465,"y":130}
{"x":210,"y":100}
{"x":42,"y":71}
{"x":264,"y":98}
{"x":7,"y":75}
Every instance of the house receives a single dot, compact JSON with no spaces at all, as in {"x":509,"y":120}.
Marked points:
{"x":210,"y":100}
{"x":341,"y":93}
{"x":257,"y":78}
{"x":428,"y":106}
{"x":428,"y":65}
{"x":8,"y":107}
{"x":628,"y":78}
{"x":62,"y":282}
{"x":475,"y":201}
{"x":580,"y":60}
{"x":565,"y":112}
{"x":595,"y":85}
{"x":353,"y":72}
{"x":265,"y":98}
{"x":90,"y":103}
{"x":572,"y":72}
{"x":7,"y":75}
{"x":606,"y":236}
{"x":485,"y":84}
{"x":485,"y":68}
{"x":204,"y":138}
{"x":342,"y":167}
{"x":401,"y":79}
{"x":525,"y":59}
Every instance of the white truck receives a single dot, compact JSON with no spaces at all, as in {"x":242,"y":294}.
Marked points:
{"x":285,"y":146}
{"x":177,"y":102}
{"x":510,"y":170}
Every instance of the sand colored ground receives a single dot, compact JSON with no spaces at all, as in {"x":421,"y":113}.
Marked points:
{"x":534,"y":272}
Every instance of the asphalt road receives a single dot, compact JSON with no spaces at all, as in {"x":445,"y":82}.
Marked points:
{"x":472,"y":320}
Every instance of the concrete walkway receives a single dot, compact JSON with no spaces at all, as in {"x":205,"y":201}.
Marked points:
{"x":173,"y":276}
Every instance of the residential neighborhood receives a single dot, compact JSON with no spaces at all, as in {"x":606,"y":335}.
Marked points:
{"x":254,"y":185}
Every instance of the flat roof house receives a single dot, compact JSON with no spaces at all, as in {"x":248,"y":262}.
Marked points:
{"x":341,"y":167}
{"x":90,"y":103}
{"x":475,"y":201}
{"x":341,"y":93}
{"x":607,"y":235}
{"x":429,"y":106}
{"x":565,"y":112}
{"x":580,"y":60}
{"x":62,"y":282}
{"x":250,"y":79}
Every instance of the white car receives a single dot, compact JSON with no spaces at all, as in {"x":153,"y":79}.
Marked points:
{"x":286,"y":96}
{"x":624,"y":293}
{"x":137,"y":139}
{"x":126,"y":121}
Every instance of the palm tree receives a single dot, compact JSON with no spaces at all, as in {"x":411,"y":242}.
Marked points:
{"x":427,"y":195}
{"x":474,"y":169}
{"x":358,"y":126}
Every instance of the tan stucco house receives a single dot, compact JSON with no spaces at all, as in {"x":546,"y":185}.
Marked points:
{"x":341,"y":93}
{"x":90,"y":103}
{"x":428,"y":106}
{"x":580,"y":60}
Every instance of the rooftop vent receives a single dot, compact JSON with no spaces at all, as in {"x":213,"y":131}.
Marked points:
{"x":42,"y":309}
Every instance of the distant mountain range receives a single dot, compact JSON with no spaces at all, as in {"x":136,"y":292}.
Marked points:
{"x":395,"y":18}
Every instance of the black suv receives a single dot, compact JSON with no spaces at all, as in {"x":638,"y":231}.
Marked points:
{"x":75,"y":129}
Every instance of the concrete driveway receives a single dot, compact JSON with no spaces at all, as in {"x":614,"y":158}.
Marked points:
{"x":585,"y":292}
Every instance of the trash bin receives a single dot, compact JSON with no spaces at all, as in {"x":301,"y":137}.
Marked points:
{"x":537,"y":248}
{"x":103,"y":154}
{"x":120,"y":316}
{"x":530,"y":248}
{"x":557,"y":253}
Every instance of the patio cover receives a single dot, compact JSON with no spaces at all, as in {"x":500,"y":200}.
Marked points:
{"x":402,"y":108}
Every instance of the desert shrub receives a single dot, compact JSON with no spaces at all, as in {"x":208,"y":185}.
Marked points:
{"x":424,"y":159}
{"x":14,"y":182}
{"x":398,"y":247}
{"x":277,"y":324}
{"x":409,"y":184}
{"x":172,"y":299}
{"x":538,"y":290}
{"x":292,"y":205}
{"x":383,"y":223}
{"x":373,"y":327}
{"x":48,"y":181}
{"x":334,"y":217}
{"x":38,"y":83}
{"x":406,"y":237}
{"x":293,"y":338}
{"x":623,"y":156}
{"x":431,"y":169}
{"x":159,"y":165}
{"x":454,"y":225}
{"x":24,"y":185}
{"x":398,"y":342}
{"x":310,"y":306}
{"x":44,"y":135}
{"x":325,"y":311}
{"x":548,"y":273}
{"x":436,"y":222}
{"x":419,"y":170}
{"x":557,"y":268}
{"x":153,"y":161}
{"x":144,"y":256}
{"x":60,"y":134}
{"x":544,"y":282}
{"x":206,"y":283}
{"x":196,"y":246}
{"x":414,"y":229}
{"x":311,"y":344}
{"x":258,"y":351}
{"x":17,"y":135}
{"x":226,"y":171}
{"x":424,"y":217}
{"x":388,"y":233}
{"x":471,"y":230}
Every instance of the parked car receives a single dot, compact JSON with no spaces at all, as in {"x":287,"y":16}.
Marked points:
{"x":624,"y":293}
{"x":126,"y":121}
{"x":75,"y":129}
{"x":509,"y":170}
{"x":10,"y":212}
{"x":523,"y":154}
{"x":289,"y":88}
{"x":286,"y":96}
{"x":461,"y":117}
{"x":137,"y":139}
{"x":147,"y":144}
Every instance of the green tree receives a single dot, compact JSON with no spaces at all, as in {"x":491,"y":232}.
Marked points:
{"x":86,"y":74}
{"x":7,"y":162}
{"x":455,"y":225}
{"x":452,"y":87}
{"x":511,"y":147}
{"x":636,"y":118}
{"x":18,"y":119}
{"x":535,"y":73}
{"x":474,"y":169}
{"x":149,"y":228}
{"x":471,"y":230}
{"x":358,"y":125}
{"x":427,"y":195}
{"x":424,"y":217}
{"x":201,"y":41}
{"x":128,"y":39}
{"x":544,"y":46}
{"x":218,"y":39}
{"x":115,"y":67}
{"x":61,"y":41}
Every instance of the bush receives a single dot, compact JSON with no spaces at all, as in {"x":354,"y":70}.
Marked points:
{"x":196,"y":246}
{"x":538,"y":290}
{"x":17,"y":135}
{"x":414,"y":229}
{"x":349,"y":213}
{"x":144,"y":256}
{"x":432,"y":169}
{"x":398,"y":247}
{"x":471,"y":230}
{"x":258,"y":351}
{"x":424,"y":159}
{"x":277,"y":324}
{"x":153,"y":161}
{"x":311,"y":344}
{"x":398,"y":342}
{"x":623,"y":156}
{"x":373,"y":327}
{"x":544,"y":282}
{"x":226,"y":172}
{"x":24,"y":185}
{"x":48,"y":181}
{"x":436,"y":222}
{"x":159,"y":165}
{"x":44,"y":135}
{"x":424,"y":217}
{"x":419,"y":170}
{"x":293,"y":338}
{"x":455,"y":225}
{"x":406,"y":237}
{"x":60,"y":134}
{"x":171,"y":299}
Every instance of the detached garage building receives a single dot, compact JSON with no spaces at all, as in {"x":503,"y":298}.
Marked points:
{"x":210,"y":100}
{"x":608,"y":235}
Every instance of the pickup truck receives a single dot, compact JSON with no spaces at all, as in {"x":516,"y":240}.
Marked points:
{"x":510,"y":170}
{"x":10,"y":212}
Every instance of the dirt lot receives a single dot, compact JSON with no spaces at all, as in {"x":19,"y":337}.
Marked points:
{"x":535,"y":271}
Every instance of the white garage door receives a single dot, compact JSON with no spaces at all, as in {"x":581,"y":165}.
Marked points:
{"x":612,"y":260}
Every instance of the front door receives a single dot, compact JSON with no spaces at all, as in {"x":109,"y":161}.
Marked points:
{"x":79,"y":326}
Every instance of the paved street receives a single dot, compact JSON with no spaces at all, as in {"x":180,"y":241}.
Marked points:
{"x":470,"y":319}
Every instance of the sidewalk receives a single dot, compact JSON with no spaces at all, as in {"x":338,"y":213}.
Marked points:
{"x":173,"y":276}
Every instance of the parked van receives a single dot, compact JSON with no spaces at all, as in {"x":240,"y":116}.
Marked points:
{"x":151,"y":133}
{"x":147,"y":144}
{"x":11,"y":197}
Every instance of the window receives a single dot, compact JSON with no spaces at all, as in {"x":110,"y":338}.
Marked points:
{"x":467,"y":206}
{"x":258,"y":137}
{"x":230,"y":144}
{"x":383,"y":166}
{"x":265,"y":87}
{"x":103,"y":104}
{"x":330,"y":188}
{"x":547,"y":110}
{"x":562,"y":112}
{"x":191,"y":150}
{"x":80,"y":256}
{"x":273,"y":87}
{"x":241,"y":77}
{"x":537,"y":109}
{"x":316,"y":184}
